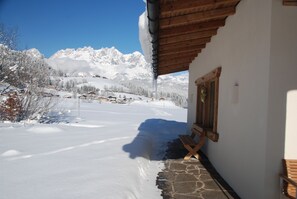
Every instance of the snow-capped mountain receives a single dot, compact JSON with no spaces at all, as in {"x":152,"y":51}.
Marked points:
{"x":114,"y":65}
{"x":108,"y":62}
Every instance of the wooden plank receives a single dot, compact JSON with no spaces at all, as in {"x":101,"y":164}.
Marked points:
{"x":182,"y":49}
{"x":289,"y":177}
{"x":196,"y":17}
{"x":290,"y":2}
{"x":172,"y":70}
{"x":178,"y":65}
{"x":168,"y":70}
{"x":175,"y":7}
{"x":190,"y":34}
{"x":178,"y":52}
{"x":174,"y":31}
{"x":186,"y":37}
{"x":172,"y":58}
{"x":187,"y":140}
{"x":187,"y":43}
{"x":181,"y":56}
{"x":176,"y":61}
{"x":172,"y":66}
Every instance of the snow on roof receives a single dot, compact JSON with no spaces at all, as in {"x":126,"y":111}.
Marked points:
{"x":145,"y":37}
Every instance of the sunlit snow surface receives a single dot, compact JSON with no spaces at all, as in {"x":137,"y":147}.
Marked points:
{"x":102,"y":151}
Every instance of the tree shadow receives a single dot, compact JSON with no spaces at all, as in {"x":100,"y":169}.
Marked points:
{"x":153,"y":137}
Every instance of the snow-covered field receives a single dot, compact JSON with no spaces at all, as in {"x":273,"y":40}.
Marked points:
{"x":102,"y":151}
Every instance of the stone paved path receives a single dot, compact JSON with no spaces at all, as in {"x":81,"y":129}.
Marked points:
{"x":192,"y":179}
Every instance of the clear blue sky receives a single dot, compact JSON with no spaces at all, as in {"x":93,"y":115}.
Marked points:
{"x":51,"y":25}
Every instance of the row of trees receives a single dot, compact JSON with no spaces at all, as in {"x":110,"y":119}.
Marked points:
{"x":72,"y":85}
{"x":178,"y":99}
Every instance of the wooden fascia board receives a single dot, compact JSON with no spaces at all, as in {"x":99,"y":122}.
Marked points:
{"x":178,"y":6}
{"x":196,"y":17}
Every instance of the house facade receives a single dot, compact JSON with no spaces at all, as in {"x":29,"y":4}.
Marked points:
{"x":257,"y":50}
{"x":256,"y":118}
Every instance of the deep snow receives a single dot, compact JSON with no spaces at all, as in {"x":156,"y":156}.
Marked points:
{"x":104,"y":151}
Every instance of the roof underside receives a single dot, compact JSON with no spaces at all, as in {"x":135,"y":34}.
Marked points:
{"x":181,"y":29}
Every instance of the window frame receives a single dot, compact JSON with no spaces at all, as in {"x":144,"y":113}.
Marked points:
{"x":207,"y":111}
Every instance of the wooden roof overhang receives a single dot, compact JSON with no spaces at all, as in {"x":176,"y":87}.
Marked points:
{"x":181,"y":29}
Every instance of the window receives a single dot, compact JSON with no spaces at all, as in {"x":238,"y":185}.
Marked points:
{"x":207,"y":103}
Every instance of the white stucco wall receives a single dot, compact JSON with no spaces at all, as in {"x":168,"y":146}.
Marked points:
{"x":282,"y":82}
{"x":242,"y":48}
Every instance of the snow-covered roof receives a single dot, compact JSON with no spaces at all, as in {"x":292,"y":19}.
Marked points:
{"x":145,"y":37}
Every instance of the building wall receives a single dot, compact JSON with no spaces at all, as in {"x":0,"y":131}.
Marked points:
{"x":281,"y":134}
{"x":242,"y":48}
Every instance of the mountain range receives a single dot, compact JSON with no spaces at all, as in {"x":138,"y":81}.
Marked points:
{"x":114,"y":65}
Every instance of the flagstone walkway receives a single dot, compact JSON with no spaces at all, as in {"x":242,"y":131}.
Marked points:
{"x":192,"y":179}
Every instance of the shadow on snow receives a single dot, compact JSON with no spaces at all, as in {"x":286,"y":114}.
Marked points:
{"x":151,"y":141}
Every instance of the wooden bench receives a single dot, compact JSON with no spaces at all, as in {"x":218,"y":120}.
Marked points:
{"x":289,"y":178}
{"x":190,"y":144}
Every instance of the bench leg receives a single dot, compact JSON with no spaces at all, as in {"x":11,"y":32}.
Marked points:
{"x":191,"y":153}
{"x":194,"y":151}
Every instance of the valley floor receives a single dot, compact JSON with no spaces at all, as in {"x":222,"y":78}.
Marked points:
{"x":97,"y":151}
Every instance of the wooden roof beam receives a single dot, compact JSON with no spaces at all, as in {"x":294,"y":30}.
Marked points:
{"x":161,"y":67}
{"x":174,"y":31}
{"x":173,"y":70}
{"x":178,"y":6}
{"x":190,"y":36}
{"x":175,"y":61}
{"x":177,"y":56}
{"x":186,"y":50}
{"x":187,"y":43}
{"x":196,"y":17}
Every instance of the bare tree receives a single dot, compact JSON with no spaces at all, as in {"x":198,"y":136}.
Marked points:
{"x":29,"y":77}
{"x":8,"y":36}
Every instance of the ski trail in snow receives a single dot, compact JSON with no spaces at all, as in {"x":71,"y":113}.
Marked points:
{"x":83,"y":125}
{"x":159,"y":112}
{"x":70,"y":148}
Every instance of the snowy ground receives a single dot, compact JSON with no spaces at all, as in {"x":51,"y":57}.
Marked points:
{"x":105,"y":151}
